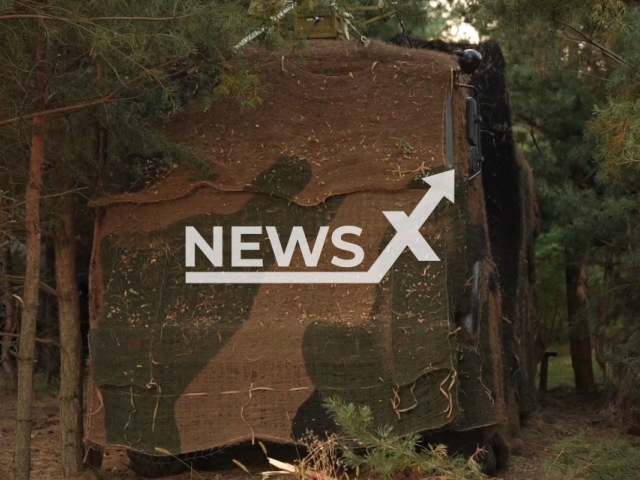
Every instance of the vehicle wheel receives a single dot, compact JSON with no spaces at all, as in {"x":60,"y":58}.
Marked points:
{"x":488,"y":460}
{"x":496,"y":456}
{"x":502,"y":452}
{"x":155,"y":466}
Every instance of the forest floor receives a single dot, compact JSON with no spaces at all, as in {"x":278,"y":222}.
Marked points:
{"x":561,"y":415}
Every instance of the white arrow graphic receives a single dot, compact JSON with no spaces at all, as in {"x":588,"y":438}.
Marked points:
{"x":407,"y":235}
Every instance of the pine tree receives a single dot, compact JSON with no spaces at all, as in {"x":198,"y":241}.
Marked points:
{"x":83,"y":85}
{"x":572,"y":84}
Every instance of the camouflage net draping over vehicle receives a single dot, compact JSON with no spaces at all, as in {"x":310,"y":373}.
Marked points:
{"x":344,"y":134}
{"x":513,"y":221}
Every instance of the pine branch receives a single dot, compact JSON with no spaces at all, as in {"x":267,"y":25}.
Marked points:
{"x":90,"y":19}
{"x":111,"y":97}
{"x":591,"y":41}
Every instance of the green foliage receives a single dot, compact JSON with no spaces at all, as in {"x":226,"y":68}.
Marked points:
{"x":405,"y":146}
{"x":572,"y":78}
{"x":579,"y":458}
{"x":425,"y":19}
{"x":561,"y":371}
{"x":120,"y":67}
{"x":616,"y":123}
{"x":419,"y":18}
{"x":245,"y":86}
{"x":596,"y":42}
{"x":552,"y":297}
{"x":551,"y":105}
{"x":552,"y":11}
{"x":623,"y":380}
{"x":367,"y":448}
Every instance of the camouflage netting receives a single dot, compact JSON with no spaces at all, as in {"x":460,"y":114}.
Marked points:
{"x":344,"y":134}
{"x":513,"y":222}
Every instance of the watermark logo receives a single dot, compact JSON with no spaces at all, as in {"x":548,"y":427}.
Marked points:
{"x":407,"y":235}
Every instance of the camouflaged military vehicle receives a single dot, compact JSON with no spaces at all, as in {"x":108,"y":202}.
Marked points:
{"x":344,"y":134}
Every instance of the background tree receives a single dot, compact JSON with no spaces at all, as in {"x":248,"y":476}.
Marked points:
{"x":83,"y":87}
{"x":572,"y":81}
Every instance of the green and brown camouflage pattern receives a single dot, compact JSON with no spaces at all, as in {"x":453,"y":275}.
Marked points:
{"x":185,"y":368}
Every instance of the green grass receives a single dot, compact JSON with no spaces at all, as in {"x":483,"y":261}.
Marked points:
{"x":560,"y":370}
{"x":579,"y":458}
{"x":377,"y":451}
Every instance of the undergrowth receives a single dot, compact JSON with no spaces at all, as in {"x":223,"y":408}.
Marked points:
{"x":580,"y":458}
{"x":366,"y":448}
{"x":623,"y":383}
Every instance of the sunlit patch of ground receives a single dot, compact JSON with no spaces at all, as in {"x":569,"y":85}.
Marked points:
{"x":561,"y":371}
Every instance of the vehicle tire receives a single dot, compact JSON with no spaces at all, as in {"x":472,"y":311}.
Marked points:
{"x":488,"y":460}
{"x":155,"y":466}
{"x":495,"y":458}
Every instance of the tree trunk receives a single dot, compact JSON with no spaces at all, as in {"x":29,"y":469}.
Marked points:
{"x":602,"y":311}
{"x":32,"y":276}
{"x":70,"y":341}
{"x":10,"y":321}
{"x":579,"y":336}
{"x":100,"y":131}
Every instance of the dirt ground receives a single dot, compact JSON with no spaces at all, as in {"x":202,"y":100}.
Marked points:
{"x":561,"y":414}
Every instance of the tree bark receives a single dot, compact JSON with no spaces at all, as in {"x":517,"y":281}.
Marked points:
{"x":603,"y":308}
{"x":70,"y":340}
{"x":579,"y":336}
{"x":32,"y":276}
